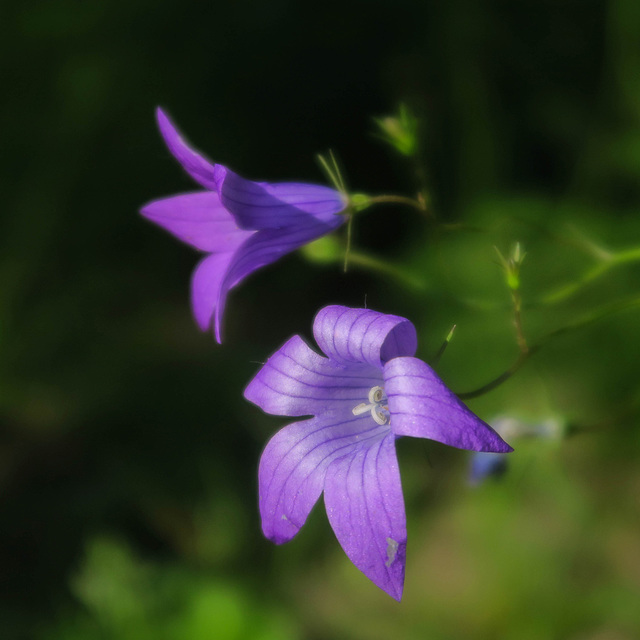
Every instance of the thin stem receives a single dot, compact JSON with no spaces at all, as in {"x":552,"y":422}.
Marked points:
{"x":517,"y":320}
{"x":347,"y":250}
{"x":589,"y":246}
{"x":370,"y":262}
{"x":624,"y":413}
{"x":421,"y":175}
{"x":410,"y":202}
{"x":564,"y":292}
{"x":503,"y":377}
{"x":590,"y":318}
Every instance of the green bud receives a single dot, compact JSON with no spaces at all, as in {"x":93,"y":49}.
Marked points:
{"x":400,"y":131}
{"x":359,"y":201}
{"x":517,"y":254}
{"x":511,"y":265}
{"x":513,"y":280}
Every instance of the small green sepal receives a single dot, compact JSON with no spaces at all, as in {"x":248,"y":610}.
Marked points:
{"x":511,"y":265}
{"x":359,"y":201}
{"x":400,"y":131}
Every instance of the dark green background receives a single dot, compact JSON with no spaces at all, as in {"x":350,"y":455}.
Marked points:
{"x":127,"y":454}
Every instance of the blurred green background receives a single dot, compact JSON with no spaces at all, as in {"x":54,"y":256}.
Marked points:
{"x":127,"y":454}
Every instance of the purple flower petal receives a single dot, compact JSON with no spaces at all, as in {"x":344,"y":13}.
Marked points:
{"x":206,"y":283}
{"x":199,"y":219}
{"x":363,"y":498}
{"x":273,"y":206}
{"x":200,"y":169}
{"x":296,"y":381}
{"x":262,"y":248}
{"x":363,"y":396}
{"x":252,"y":224}
{"x":364,"y":336}
{"x":422,"y":406}
{"x":294,"y":463}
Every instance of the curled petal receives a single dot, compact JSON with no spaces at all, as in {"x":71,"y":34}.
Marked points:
{"x":258,"y":205}
{"x":423,"y":407}
{"x":293,"y":466}
{"x":364,"y":336}
{"x":262,"y":248}
{"x":199,"y":219}
{"x":363,"y":497}
{"x":200,"y":169}
{"x":206,"y":282}
{"x":296,"y":381}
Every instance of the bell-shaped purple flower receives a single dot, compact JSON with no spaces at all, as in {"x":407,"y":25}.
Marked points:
{"x":367,"y":391}
{"x":243,"y":225}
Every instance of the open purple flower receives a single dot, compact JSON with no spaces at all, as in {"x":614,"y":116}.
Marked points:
{"x":367,"y":392}
{"x":243,"y":225}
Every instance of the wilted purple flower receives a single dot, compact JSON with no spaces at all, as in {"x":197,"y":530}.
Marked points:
{"x":243,"y":225}
{"x":367,"y":392}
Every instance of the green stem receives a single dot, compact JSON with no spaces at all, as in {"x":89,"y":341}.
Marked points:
{"x":564,"y":292}
{"x":410,"y":202}
{"x":348,"y":247}
{"x":517,"y":320}
{"x":590,"y":318}
{"x":503,"y":377}
{"x":370,"y":262}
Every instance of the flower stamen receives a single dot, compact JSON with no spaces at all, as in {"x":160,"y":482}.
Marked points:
{"x":379,"y":410}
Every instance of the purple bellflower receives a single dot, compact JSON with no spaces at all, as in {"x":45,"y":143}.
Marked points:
{"x":242,"y":225}
{"x":367,"y":392}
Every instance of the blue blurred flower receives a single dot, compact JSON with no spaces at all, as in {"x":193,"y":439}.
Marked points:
{"x":483,"y":465}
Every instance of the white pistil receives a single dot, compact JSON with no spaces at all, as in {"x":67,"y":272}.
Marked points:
{"x":379,"y":412}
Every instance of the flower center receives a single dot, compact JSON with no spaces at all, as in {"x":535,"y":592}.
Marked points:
{"x":377,"y":405}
